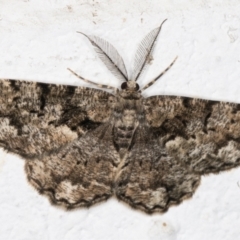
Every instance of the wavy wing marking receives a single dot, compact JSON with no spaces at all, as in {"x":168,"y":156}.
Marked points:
{"x":38,"y":118}
{"x":184,"y":139}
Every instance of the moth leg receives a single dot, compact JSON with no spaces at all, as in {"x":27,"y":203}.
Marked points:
{"x":88,"y":81}
{"x":160,"y":75}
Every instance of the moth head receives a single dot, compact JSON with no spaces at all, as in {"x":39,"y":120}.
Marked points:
{"x":130,"y":86}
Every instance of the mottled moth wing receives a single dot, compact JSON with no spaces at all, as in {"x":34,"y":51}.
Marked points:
{"x":37,"y":118}
{"x":79,"y":174}
{"x":84,"y":145}
{"x":186,"y":138}
{"x":41,"y":121}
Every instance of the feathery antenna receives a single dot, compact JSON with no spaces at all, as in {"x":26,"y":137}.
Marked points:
{"x":109,"y":56}
{"x":144,"y":51}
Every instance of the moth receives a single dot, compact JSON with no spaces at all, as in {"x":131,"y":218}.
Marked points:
{"x":84,"y":145}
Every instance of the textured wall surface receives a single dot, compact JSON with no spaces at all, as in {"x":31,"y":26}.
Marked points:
{"x":39,"y":41}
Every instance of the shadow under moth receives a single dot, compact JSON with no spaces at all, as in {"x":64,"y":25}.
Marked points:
{"x":83,"y":145}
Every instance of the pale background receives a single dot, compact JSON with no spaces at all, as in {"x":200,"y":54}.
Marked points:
{"x":38,"y":41}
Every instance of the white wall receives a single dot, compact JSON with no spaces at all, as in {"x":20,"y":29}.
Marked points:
{"x":38,"y":41}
